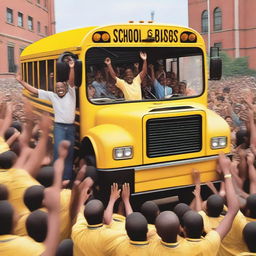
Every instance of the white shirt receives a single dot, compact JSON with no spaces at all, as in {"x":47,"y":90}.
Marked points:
{"x":64,"y":108}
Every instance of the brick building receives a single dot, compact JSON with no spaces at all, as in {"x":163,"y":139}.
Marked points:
{"x":22,"y":22}
{"x":232,"y":25}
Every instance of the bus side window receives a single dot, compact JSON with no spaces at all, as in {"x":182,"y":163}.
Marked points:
{"x":42,"y":74}
{"x":25,"y":72}
{"x":30,"y":73}
{"x":50,"y":65}
{"x":35,"y":74}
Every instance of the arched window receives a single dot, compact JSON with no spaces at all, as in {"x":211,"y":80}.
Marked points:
{"x":204,"y":21}
{"x":217,"y":19}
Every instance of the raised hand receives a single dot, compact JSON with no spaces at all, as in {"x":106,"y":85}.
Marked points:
{"x":143,"y":55}
{"x":126,"y":192}
{"x":115,"y":192}
{"x":250,"y":158}
{"x":107,"y":61}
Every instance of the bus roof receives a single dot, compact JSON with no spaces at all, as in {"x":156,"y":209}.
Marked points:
{"x":72,"y":40}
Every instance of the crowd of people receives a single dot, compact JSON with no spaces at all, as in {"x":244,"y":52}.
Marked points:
{"x":42,"y":214}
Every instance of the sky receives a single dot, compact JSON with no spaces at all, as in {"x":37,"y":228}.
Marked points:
{"x":83,"y":13}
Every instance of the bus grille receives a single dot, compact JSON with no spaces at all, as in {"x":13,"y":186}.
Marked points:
{"x":174,"y":135}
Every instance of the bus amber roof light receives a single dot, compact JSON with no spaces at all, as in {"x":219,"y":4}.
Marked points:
{"x":96,"y":37}
{"x":184,"y":37}
{"x":192,"y":38}
{"x":131,"y":21}
{"x":105,"y":37}
{"x":150,"y":21}
{"x":141,"y":21}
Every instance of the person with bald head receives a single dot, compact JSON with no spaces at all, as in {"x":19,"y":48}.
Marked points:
{"x":90,"y":235}
{"x":168,"y":227}
{"x":64,"y":106}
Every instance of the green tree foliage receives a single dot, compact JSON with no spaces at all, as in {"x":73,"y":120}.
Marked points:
{"x":235,"y":66}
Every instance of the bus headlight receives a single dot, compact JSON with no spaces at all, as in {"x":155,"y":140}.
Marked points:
{"x":122,"y":153}
{"x":218,"y":142}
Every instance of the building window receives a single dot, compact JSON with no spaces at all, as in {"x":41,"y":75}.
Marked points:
{"x":46,"y":30}
{"x":45,"y":3}
{"x":11,"y":64}
{"x":204,"y":21}
{"x":38,"y":1}
{"x":20,"y":19}
{"x":217,"y":19}
{"x":38,"y":27}
{"x":30,"y":23}
{"x":9,"y":15}
{"x":219,"y":45}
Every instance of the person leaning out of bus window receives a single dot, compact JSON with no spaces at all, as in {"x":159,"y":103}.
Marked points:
{"x":130,"y":85}
{"x":64,"y":105}
{"x":184,"y":90}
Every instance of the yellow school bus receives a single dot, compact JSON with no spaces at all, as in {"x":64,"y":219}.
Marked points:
{"x":154,"y":142}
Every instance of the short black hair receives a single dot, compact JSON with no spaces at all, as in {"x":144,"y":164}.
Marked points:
{"x":180,"y":209}
{"x":193,"y":224}
{"x":150,"y":210}
{"x":8,"y":133}
{"x":249,"y":234}
{"x":240,"y":137}
{"x":7,"y":159}
{"x":36,"y":225}
{"x":251,"y":205}
{"x":215,"y":204}
{"x":17,"y":125}
{"x":93,"y":212}
{"x":4,"y":193}
{"x":46,"y":176}
{"x":33,"y":197}
{"x":136,"y":226}
{"x":65,"y":248}
{"x":6,"y":217}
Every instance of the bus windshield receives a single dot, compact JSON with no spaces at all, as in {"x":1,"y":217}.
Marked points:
{"x":171,"y":73}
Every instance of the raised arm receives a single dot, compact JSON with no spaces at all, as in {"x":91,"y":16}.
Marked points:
{"x":196,"y":204}
{"x":26,"y":85}
{"x":115,"y":194}
{"x":143,"y":72}
{"x":71,"y":79}
{"x":126,"y":198}
{"x":232,"y":202}
{"x":7,"y":119}
{"x":110,"y":68}
{"x":152,"y":72}
{"x":252,"y":172}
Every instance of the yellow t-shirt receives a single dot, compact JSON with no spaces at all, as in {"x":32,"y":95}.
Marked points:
{"x":65,"y":222}
{"x":3,"y":145}
{"x":94,"y":240}
{"x":249,"y":219}
{"x":19,"y":245}
{"x":233,"y":242}
{"x":130,"y":91}
{"x":118,"y":223}
{"x":127,"y":247}
{"x":207,"y":245}
{"x":247,"y":254}
{"x":159,"y":248}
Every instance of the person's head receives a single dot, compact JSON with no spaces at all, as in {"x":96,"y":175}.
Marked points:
{"x":182,"y":87}
{"x":229,"y":120}
{"x":176,"y":89}
{"x":180,"y":209}
{"x":167,"y":226}
{"x":6,"y":218}
{"x":17,"y":125}
{"x":65,"y":248}
{"x":45,"y":176}
{"x":128,"y":76}
{"x":67,"y":58}
{"x":9,"y":132}
{"x":93,"y":212}
{"x":162,"y":80}
{"x":242,"y":137}
{"x":136,"y":227}
{"x":61,"y":89}
{"x":4,"y":193}
{"x":98,"y":75}
{"x":91,"y":172}
{"x":36,"y":225}
{"x":150,"y":210}
{"x":7,"y":159}
{"x":168,"y":81}
{"x":193,"y":224}
{"x":33,"y":197}
{"x":249,"y":234}
{"x":91,"y":91}
{"x":214,"y":204}
{"x":251,"y":205}
{"x":237,"y":108}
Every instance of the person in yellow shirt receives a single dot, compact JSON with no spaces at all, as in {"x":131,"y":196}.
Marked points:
{"x":193,"y":222}
{"x":65,"y":248}
{"x":90,"y":236}
{"x":130,"y":85}
{"x":168,"y":227}
{"x":7,"y":159}
{"x":137,"y":244}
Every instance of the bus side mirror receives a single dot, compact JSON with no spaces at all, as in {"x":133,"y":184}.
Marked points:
{"x":62,"y":69}
{"x":215,"y":64}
